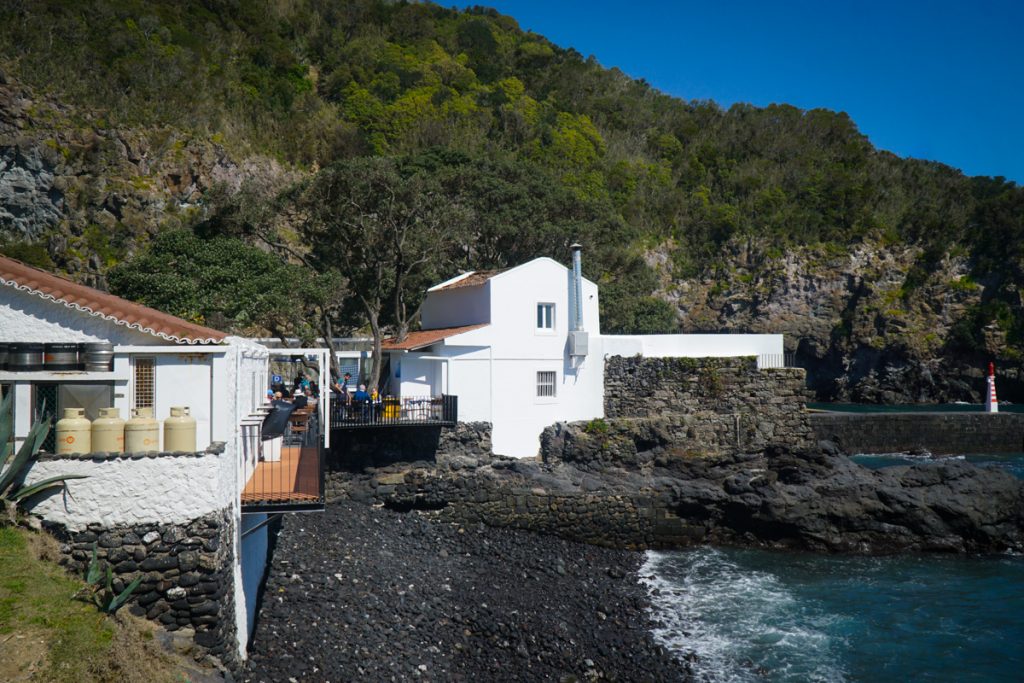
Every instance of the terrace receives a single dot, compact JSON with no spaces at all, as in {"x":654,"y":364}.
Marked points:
{"x":282,"y":468}
{"x":427,"y":411}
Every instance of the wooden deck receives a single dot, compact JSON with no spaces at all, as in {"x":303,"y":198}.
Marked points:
{"x":294,"y":479}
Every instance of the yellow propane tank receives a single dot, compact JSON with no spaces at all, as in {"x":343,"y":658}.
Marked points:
{"x":180,"y":431}
{"x":74,"y":432}
{"x":141,"y":432}
{"x":108,"y":432}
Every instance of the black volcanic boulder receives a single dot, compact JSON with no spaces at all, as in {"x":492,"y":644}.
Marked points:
{"x":827,"y":502}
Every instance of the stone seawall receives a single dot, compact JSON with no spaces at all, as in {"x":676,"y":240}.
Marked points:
{"x":354,"y":450}
{"x":939,"y":433}
{"x":723,"y":405}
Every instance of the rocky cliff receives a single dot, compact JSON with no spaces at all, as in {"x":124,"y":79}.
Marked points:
{"x":79,"y":196}
{"x":868,"y":323}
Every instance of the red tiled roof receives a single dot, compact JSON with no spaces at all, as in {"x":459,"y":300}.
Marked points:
{"x":94,"y":302}
{"x":421,"y":338}
{"x":477,"y":277}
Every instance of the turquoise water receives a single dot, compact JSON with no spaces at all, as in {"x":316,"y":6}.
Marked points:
{"x":1012,"y":463}
{"x":753,"y":615}
{"x":760,"y":616}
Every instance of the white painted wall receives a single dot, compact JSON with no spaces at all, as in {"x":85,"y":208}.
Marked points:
{"x":186,"y":380}
{"x":254,"y":546}
{"x":419,"y":377}
{"x":160,"y":490}
{"x":493,"y":370}
{"x":456,"y":307}
{"x":26,"y":317}
{"x":691,"y":345}
{"x":221,"y":385}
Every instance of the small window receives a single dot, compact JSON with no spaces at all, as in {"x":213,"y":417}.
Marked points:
{"x":545,"y":316}
{"x":546,"y":384}
{"x":144,"y":384}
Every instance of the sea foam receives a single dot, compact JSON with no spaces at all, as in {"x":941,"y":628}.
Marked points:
{"x":742,"y":625}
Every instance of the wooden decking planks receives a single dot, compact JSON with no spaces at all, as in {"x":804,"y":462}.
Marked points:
{"x":294,"y":478}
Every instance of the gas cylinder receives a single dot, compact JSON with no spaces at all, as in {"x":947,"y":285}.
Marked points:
{"x":180,"y":431}
{"x":74,"y":432}
{"x":141,"y":432}
{"x":108,"y":432}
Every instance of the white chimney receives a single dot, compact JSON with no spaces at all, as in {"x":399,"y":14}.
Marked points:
{"x":578,"y":339}
{"x":577,"y":288}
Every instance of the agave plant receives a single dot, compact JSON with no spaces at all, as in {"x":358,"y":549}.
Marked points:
{"x":13,"y":492}
{"x":102,"y":592}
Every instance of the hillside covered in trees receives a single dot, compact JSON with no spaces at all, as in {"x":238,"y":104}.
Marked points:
{"x":200,"y":156}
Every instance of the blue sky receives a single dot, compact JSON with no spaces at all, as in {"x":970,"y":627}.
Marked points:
{"x":934,"y":80}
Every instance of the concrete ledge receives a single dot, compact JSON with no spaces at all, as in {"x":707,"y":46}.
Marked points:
{"x":939,"y":433}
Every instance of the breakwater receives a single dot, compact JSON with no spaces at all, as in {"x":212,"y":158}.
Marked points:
{"x":939,"y":433}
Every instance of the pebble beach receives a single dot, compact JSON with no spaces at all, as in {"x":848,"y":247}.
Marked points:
{"x":362,"y":593}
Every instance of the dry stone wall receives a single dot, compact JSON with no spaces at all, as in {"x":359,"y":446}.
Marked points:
{"x":939,"y":433}
{"x":164,"y":516}
{"x":187,"y":572}
{"x":716,"y":405}
{"x":353,"y":450}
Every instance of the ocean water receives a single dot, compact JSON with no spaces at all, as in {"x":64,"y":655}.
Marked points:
{"x":751,"y":615}
{"x":1012,"y":463}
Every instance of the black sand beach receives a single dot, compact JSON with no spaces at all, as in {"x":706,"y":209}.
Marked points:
{"x":360,"y":593}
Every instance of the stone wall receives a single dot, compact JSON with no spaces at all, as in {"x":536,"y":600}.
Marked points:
{"x":632,"y":521}
{"x":353,"y":450}
{"x":940,"y":433}
{"x":519,"y":494}
{"x":187,"y":572}
{"x":724,"y":404}
{"x":165,"y":516}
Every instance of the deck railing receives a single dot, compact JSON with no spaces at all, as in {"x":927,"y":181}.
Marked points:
{"x":393,"y":412}
{"x":283,"y":471}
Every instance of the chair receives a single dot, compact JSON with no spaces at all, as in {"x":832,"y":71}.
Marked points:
{"x":298,"y":425}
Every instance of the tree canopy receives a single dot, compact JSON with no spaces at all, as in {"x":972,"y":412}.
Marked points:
{"x":227,"y":284}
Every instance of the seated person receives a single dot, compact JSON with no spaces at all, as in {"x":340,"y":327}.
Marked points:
{"x":361,"y":396}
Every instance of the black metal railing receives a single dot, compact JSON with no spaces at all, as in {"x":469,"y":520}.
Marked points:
{"x":395,"y":412}
{"x":284,"y":467}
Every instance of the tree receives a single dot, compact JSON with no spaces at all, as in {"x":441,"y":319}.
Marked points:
{"x":390,"y":234}
{"x":224,"y":282}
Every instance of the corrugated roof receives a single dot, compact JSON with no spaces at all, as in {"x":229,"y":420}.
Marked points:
{"x":16,"y":274}
{"x":471,"y":279}
{"x":421,"y":338}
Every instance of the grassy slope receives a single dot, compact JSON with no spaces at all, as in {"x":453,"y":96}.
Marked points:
{"x":47,"y":636}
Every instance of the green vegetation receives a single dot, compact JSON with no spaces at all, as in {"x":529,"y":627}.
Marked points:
{"x":533,"y":146}
{"x":47,"y":636}
{"x":219,"y":279}
{"x":99,"y":587}
{"x":14,"y":465}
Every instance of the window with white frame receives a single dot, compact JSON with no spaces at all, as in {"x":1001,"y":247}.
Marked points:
{"x":546,"y":384}
{"x":545,"y":317}
{"x":144,"y":385}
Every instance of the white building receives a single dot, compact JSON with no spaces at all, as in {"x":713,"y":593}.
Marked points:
{"x":158,"y":361}
{"x":501,"y":341}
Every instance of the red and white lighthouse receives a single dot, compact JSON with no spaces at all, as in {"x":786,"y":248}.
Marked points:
{"x":991,"y":404}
